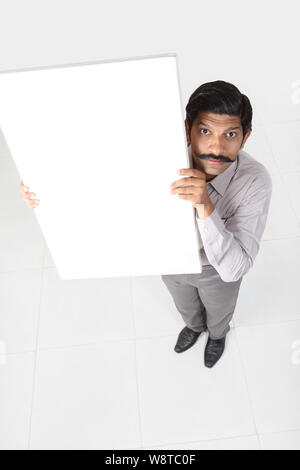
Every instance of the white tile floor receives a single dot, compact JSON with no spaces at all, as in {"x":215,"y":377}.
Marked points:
{"x":90,"y":364}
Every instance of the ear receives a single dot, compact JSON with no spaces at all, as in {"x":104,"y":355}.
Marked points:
{"x":187,"y":132}
{"x":246,"y":137}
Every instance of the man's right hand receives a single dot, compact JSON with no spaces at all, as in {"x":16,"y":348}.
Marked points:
{"x":28,"y":197}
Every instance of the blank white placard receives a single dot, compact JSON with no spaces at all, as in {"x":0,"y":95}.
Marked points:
{"x":100,"y":144}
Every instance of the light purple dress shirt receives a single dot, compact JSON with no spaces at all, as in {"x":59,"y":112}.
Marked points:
{"x":229,"y":238}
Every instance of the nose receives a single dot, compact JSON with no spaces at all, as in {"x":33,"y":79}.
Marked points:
{"x":216,"y":146}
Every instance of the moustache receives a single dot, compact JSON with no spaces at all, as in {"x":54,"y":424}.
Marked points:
{"x":218,"y":158}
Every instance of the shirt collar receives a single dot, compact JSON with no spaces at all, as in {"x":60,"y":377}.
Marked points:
{"x":221,"y":181}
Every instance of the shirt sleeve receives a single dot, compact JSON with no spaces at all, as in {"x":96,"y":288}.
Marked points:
{"x":232,"y":246}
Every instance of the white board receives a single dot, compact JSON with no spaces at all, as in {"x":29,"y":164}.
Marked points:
{"x":100,"y":144}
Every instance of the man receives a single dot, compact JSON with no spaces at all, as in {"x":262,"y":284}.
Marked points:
{"x":231,"y":194}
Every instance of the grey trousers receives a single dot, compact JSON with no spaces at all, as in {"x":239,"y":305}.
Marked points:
{"x":204,"y":300}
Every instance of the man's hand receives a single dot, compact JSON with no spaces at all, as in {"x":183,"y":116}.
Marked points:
{"x":28,"y":197}
{"x":193,"y":187}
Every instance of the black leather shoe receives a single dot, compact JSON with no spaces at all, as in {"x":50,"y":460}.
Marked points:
{"x":186,"y":339}
{"x":213,"y":351}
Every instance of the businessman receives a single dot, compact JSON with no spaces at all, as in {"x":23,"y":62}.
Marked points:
{"x":231,"y":193}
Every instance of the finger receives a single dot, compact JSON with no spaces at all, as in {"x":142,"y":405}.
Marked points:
{"x":25,"y":191}
{"x":34,"y":201}
{"x":184,"y":181}
{"x":30,"y":196}
{"x":33,"y":204}
{"x":24,"y":187}
{"x":192,"y":172}
{"x":195,"y":182}
{"x":186,"y":190}
{"x":189,"y":197}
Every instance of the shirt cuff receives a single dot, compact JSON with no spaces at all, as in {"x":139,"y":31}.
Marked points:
{"x":211,"y":226}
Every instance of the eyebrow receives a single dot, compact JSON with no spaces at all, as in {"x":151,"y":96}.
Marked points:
{"x":229,"y":129}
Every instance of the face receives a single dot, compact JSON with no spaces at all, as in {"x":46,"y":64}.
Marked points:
{"x":218,"y":137}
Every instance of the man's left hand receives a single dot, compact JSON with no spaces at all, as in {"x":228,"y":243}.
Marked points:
{"x":192,"y":187}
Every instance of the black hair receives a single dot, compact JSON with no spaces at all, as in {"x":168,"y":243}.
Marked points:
{"x":219,"y":97}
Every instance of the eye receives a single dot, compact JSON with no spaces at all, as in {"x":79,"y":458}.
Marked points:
{"x":231,"y":133}
{"x":203,"y":129}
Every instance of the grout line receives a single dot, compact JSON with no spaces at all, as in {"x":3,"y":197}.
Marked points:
{"x":14,"y":353}
{"x":21,"y":270}
{"x":36,"y":352}
{"x":136,"y":366}
{"x":294,"y":237}
{"x":215,"y":439}
{"x":288,"y":172}
{"x":267,"y":136}
{"x":76,"y":345}
{"x":224,"y":438}
{"x":281,"y":431}
{"x":287,"y":121}
{"x":253,"y":325}
{"x":98,"y":343}
{"x":248,"y":389}
{"x":140,"y":338}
